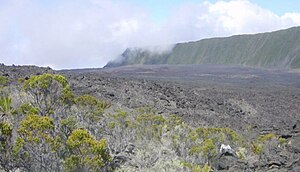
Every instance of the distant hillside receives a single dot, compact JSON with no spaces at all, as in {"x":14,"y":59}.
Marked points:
{"x":279,"y":49}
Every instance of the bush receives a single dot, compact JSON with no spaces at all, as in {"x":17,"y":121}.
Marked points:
{"x":3,"y":81}
{"x":5,"y":106}
{"x":196,"y":167}
{"x":86,"y":153}
{"x":49,"y":92}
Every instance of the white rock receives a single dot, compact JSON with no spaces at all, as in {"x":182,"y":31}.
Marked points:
{"x":226,"y":148}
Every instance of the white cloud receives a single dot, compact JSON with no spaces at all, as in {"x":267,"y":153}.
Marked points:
{"x":89,"y":33}
{"x":68,"y":34}
{"x":292,"y":18}
{"x":242,"y":17}
{"x":224,"y":18}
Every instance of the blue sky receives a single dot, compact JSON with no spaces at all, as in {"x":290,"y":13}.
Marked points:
{"x":279,"y":6}
{"x":160,"y":10}
{"x":89,"y":33}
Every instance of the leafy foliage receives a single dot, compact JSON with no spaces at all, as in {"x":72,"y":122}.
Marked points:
{"x":3,"y":81}
{"x":5,"y":105}
{"x":196,"y":167}
{"x":5,"y":129}
{"x":54,"y":130}
{"x":48,"y":92}
{"x":37,"y":140}
{"x":258,"y":145}
{"x":43,"y":135}
{"x":7,"y":160}
{"x":90,"y":106}
{"x":86,"y":153}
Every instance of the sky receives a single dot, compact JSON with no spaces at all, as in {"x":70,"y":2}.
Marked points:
{"x":66,"y":34}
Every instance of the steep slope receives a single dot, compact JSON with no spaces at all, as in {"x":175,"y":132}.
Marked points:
{"x":279,"y":49}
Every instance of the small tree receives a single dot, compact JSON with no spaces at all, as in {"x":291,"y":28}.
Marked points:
{"x":86,"y":153}
{"x":49,"y":92}
{"x":37,"y":146}
{"x":7,"y":161}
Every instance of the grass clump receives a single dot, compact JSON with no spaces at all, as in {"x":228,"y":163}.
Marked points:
{"x":196,"y":167}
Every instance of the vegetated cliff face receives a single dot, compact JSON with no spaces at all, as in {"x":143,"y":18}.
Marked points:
{"x":279,"y":49}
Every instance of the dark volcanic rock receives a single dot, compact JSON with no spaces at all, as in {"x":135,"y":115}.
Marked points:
{"x":16,"y":72}
{"x":294,"y":144}
{"x":227,"y":162}
{"x":266,"y":102}
{"x":253,"y":102}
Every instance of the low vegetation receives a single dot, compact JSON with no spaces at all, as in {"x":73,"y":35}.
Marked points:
{"x":45,"y":127}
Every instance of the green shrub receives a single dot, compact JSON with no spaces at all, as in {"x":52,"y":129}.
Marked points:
{"x":86,"y":152}
{"x":150,"y":119}
{"x":86,"y":100}
{"x":208,"y":148}
{"x":282,"y":141}
{"x":241,"y":152}
{"x":49,"y":92}
{"x":35,"y":128}
{"x":196,"y":167}
{"x":194,"y":150}
{"x":259,"y":144}
{"x":266,"y":137}
{"x":5,"y":105}
{"x":6,"y":129}
{"x":3,"y":81}
{"x":27,"y":108}
{"x":257,"y":148}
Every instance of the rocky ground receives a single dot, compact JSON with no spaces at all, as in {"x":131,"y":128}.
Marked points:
{"x":250,"y":101}
{"x":264,"y":100}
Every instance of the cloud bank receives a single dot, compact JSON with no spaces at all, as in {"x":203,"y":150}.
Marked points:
{"x":89,"y":33}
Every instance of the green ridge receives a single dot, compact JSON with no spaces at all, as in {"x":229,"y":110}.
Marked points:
{"x":279,"y":49}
